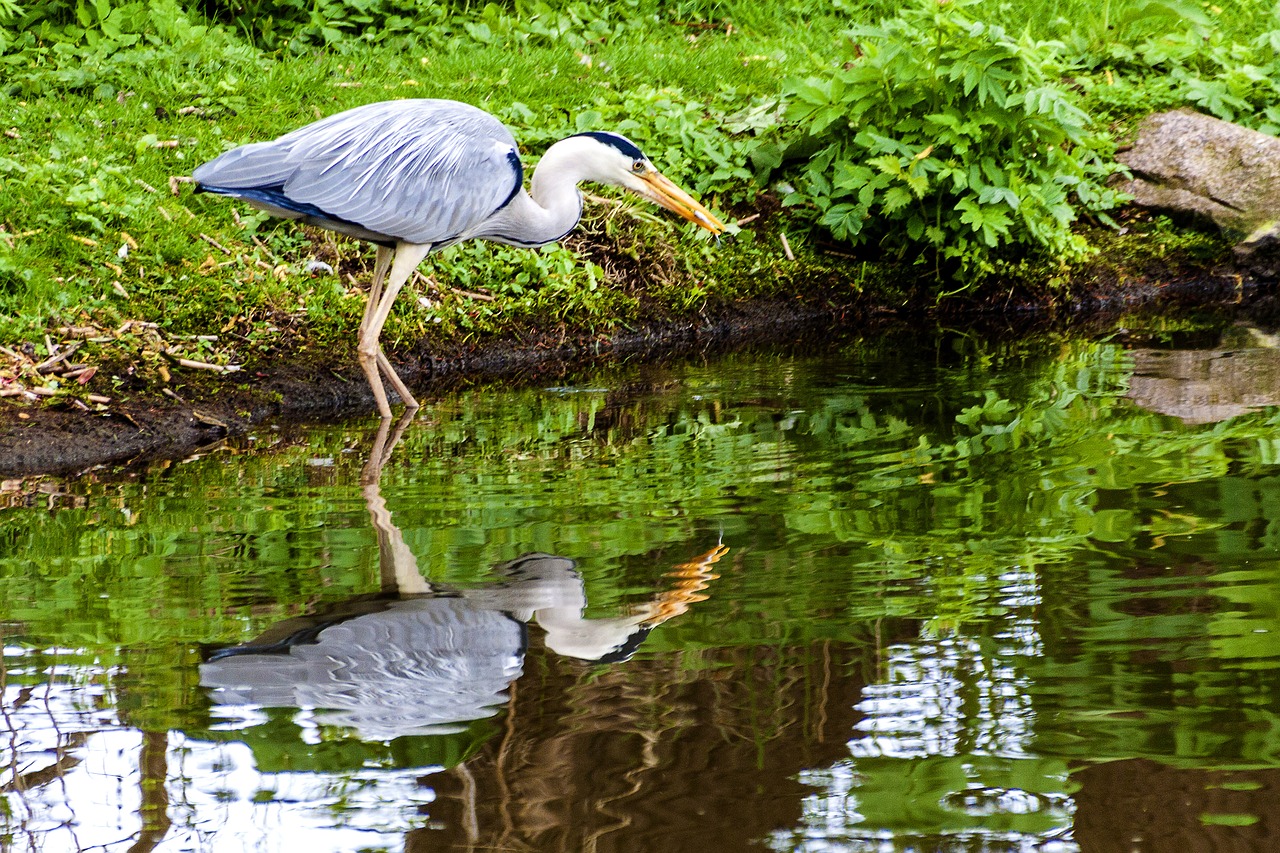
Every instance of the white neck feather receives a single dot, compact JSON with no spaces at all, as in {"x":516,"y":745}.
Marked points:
{"x":553,"y":205}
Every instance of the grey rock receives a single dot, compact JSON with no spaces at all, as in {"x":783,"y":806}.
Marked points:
{"x":1188,"y":164}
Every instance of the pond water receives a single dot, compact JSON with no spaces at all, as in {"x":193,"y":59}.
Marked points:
{"x":919,"y":592}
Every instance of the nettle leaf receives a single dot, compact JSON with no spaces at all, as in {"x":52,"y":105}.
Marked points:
{"x":993,"y":171}
{"x":878,"y":143}
{"x":888,"y":164}
{"x":990,"y":223}
{"x":819,"y":183}
{"x":998,"y":195}
{"x":957,"y":177}
{"x":895,"y":199}
{"x":918,"y":184}
{"x":823,"y":161}
{"x":915,"y":228}
{"x":820,"y":120}
{"x":845,"y":220}
{"x":878,"y":182}
{"x":944,"y":122}
{"x":812,"y":91}
{"x":850,"y":176}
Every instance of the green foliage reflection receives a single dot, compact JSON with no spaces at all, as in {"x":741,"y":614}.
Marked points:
{"x":974,"y":487}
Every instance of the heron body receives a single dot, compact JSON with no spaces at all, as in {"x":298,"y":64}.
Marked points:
{"x":414,"y":176}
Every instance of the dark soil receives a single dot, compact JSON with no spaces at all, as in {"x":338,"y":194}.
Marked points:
{"x":66,"y":441}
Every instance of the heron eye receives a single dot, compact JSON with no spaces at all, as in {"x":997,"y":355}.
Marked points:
{"x":638,"y":167}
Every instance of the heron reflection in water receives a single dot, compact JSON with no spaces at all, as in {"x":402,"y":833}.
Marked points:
{"x":422,"y":658}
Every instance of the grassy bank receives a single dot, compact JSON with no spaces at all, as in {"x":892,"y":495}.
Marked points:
{"x":106,"y":107}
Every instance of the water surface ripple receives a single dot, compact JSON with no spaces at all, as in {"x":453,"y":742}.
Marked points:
{"x":924,"y":592}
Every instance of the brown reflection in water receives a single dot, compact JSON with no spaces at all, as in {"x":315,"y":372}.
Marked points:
{"x":153,"y":767}
{"x":1174,"y":587}
{"x":1207,"y":386}
{"x":1140,"y":805}
{"x":694,"y":751}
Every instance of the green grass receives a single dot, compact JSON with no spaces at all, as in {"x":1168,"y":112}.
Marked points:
{"x":102,"y":103}
{"x":77,"y":176}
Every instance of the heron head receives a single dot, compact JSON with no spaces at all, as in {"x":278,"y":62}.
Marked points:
{"x":624,"y":164}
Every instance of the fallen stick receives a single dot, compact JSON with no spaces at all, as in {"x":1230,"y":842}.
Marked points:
{"x":135,"y":324}
{"x":204,"y":365}
{"x":214,"y":243}
{"x":483,"y":297}
{"x":786,"y":247}
{"x":430,"y":282}
{"x":78,"y":331}
{"x":257,"y":241}
{"x":48,"y":364}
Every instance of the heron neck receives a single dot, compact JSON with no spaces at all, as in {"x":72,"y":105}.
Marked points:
{"x":554,"y":186}
{"x":529,"y":221}
{"x":553,"y":205}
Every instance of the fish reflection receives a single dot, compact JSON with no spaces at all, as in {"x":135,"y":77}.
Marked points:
{"x":421,"y":658}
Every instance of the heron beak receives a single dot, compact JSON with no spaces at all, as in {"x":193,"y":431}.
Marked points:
{"x":659,"y":189}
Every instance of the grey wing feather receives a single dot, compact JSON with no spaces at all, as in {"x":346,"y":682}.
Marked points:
{"x":422,"y":171}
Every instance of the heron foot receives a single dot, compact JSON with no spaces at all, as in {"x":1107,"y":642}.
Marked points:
{"x":406,"y":396}
{"x":369,"y":364}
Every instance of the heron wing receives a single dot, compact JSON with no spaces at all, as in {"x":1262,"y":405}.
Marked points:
{"x":422,"y":171}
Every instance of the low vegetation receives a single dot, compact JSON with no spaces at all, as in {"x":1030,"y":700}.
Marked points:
{"x":936,"y":144}
{"x":942,"y":133}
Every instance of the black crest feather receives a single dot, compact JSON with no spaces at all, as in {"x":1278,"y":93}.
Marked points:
{"x":618,"y":141}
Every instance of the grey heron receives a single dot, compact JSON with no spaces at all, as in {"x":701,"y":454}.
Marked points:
{"x":414,"y":176}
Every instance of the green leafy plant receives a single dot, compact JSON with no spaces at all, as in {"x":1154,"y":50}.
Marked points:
{"x":1096,"y":33}
{"x":1200,"y":66}
{"x":940,"y":132}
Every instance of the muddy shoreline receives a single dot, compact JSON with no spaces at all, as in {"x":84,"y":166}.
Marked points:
{"x":65,"y":441}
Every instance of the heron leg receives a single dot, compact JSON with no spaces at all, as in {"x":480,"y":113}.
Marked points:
{"x":396,"y":382}
{"x":380,"y":266}
{"x":407,"y":256}
{"x":369,"y":364}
